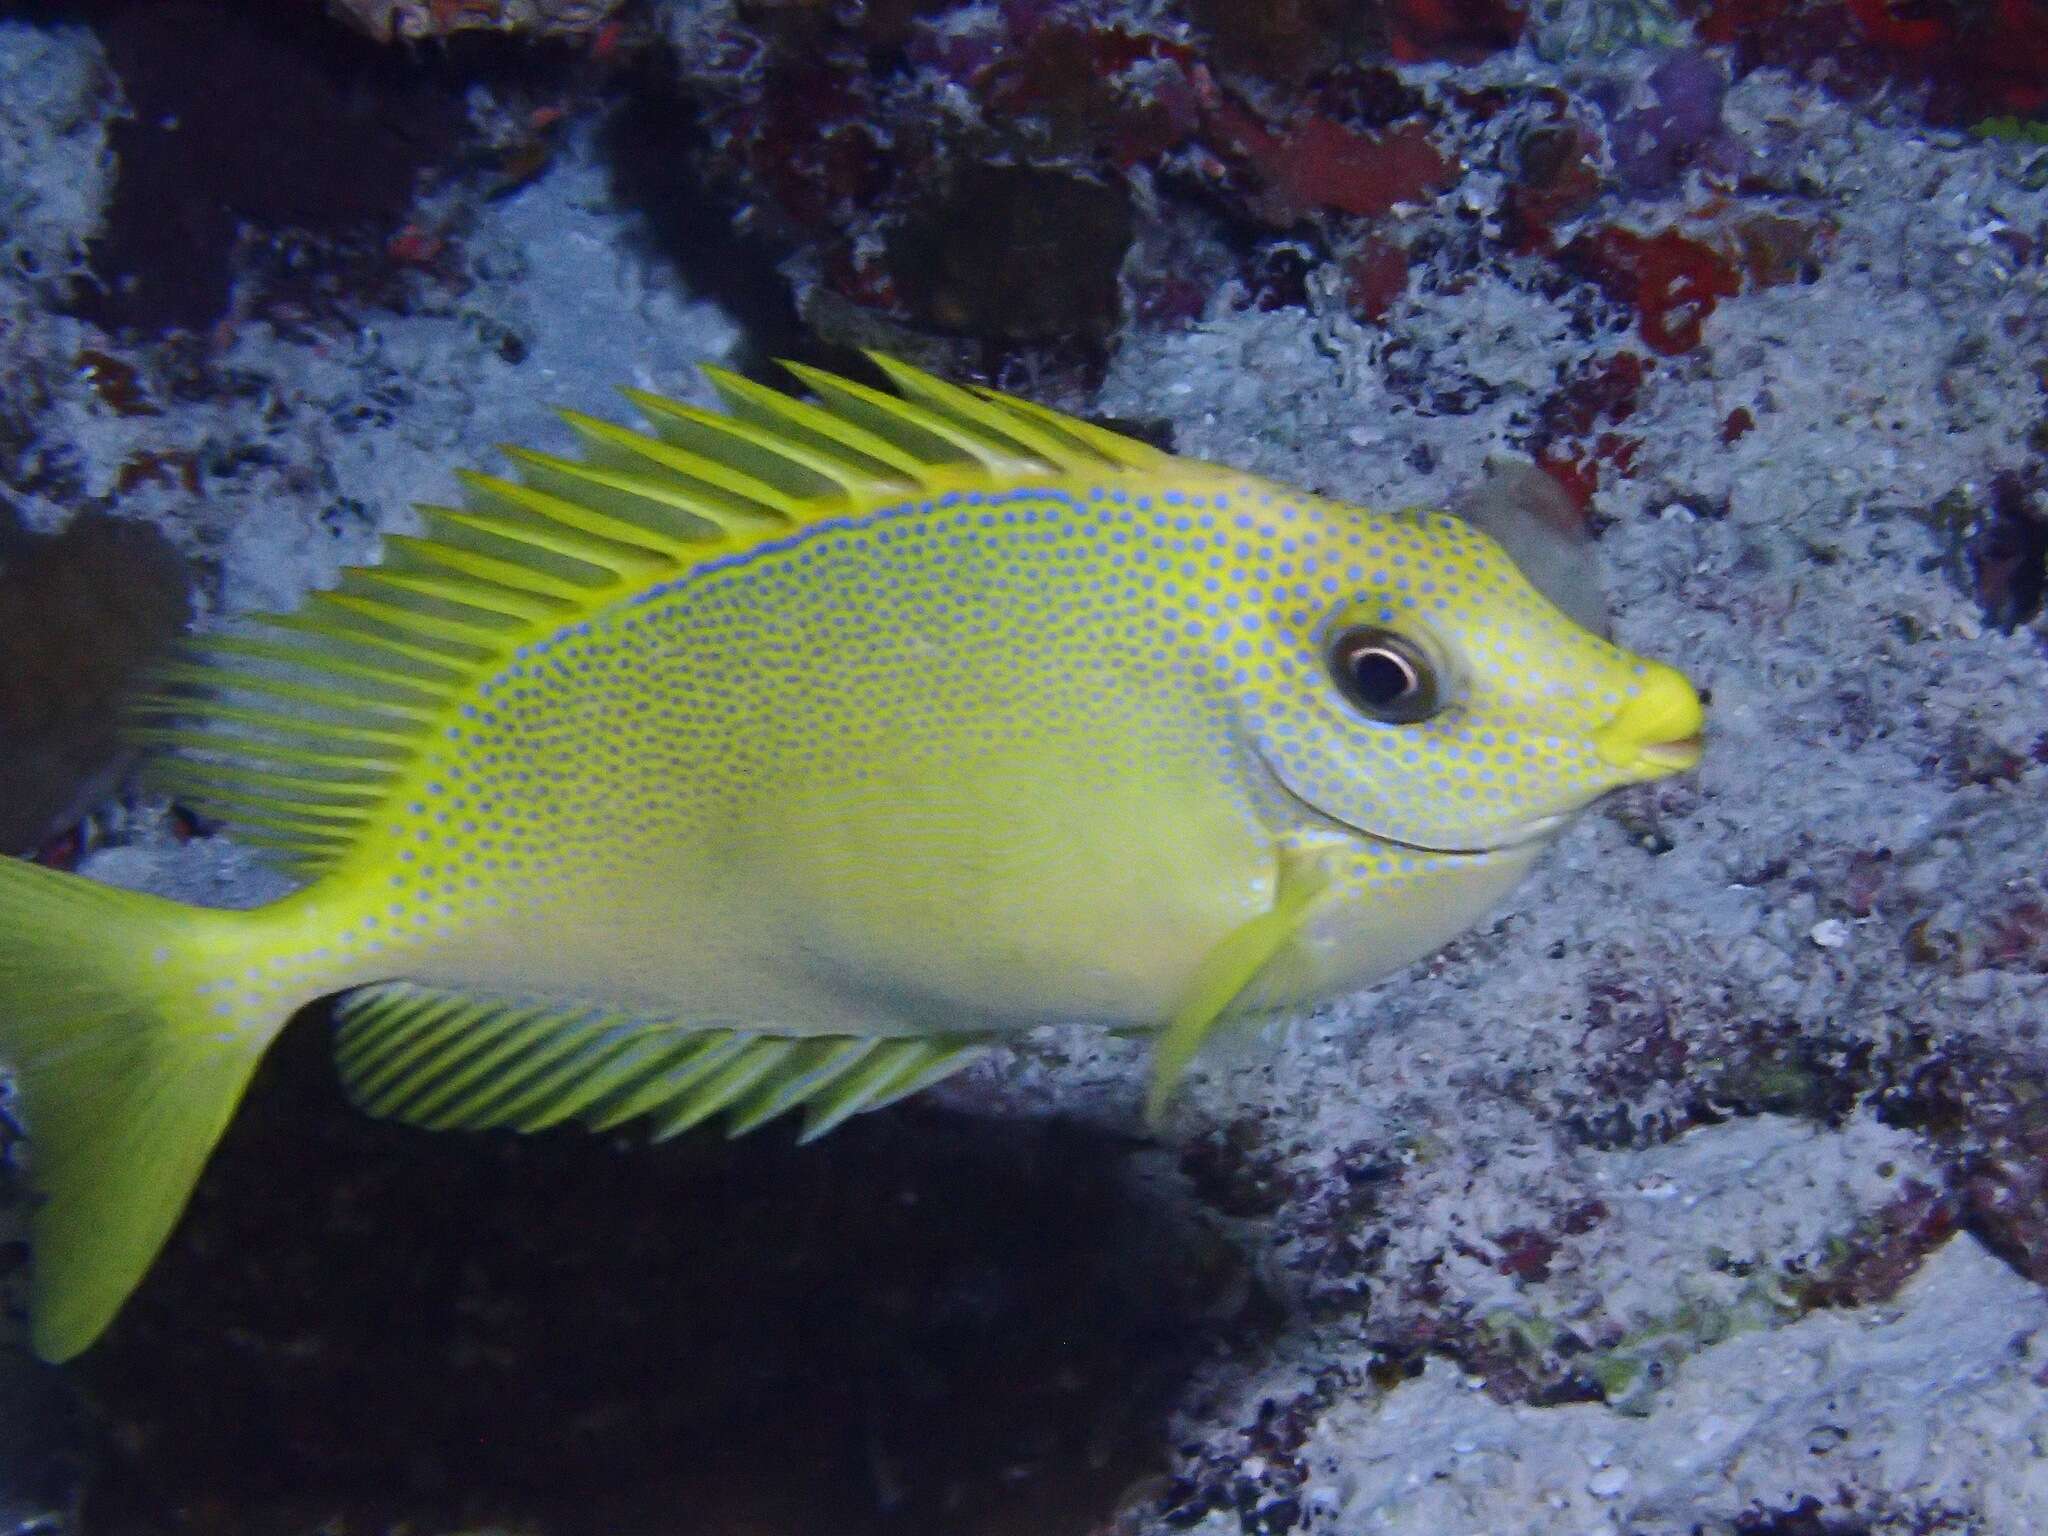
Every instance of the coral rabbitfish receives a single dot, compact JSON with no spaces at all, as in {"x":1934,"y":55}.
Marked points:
{"x":782,"y":758}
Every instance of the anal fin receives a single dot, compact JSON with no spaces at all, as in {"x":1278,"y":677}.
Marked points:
{"x":444,"y":1061}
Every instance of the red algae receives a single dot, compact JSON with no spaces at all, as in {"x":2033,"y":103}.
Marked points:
{"x":1076,"y":86}
{"x":1457,"y":31}
{"x":1375,"y":278}
{"x":116,"y":383}
{"x":808,"y":144}
{"x":1973,"y":59}
{"x":1670,"y":281}
{"x":1322,"y":164}
{"x":1574,"y":437}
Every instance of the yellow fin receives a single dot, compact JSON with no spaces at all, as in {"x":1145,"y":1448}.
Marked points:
{"x":794,"y":467}
{"x":126,"y":1080}
{"x":440,"y":1060}
{"x":1107,"y":446}
{"x":886,"y":466}
{"x":1225,"y":974}
{"x":895,"y":1070}
{"x":929,"y":436}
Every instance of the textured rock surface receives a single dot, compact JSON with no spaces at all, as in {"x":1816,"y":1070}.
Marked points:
{"x":1921,"y":1406}
{"x":1699,"y":1190}
{"x":411,"y":20}
{"x":55,"y":172}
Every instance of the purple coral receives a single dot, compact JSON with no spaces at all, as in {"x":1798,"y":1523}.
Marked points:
{"x":1675,"y":116}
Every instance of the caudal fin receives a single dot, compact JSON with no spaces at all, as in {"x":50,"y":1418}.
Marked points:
{"x":126,"y":1078}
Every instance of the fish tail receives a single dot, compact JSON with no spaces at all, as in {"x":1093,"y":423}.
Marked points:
{"x":129,"y":1053}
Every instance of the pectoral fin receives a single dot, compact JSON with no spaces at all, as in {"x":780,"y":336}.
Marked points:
{"x":1225,"y":974}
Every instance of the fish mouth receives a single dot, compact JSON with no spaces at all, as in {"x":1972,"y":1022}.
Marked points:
{"x":1657,"y":731}
{"x":1677,"y":756}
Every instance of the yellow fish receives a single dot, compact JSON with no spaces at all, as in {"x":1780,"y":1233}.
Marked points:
{"x":787,"y":756}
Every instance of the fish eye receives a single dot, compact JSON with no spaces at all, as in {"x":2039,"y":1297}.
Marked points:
{"x":1385,"y":676}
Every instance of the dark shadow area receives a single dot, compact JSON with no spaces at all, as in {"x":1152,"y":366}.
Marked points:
{"x":249,"y":116}
{"x":270,"y":138}
{"x":928,"y":1322}
{"x":267,"y":143}
{"x":40,"y":1437}
{"x":83,"y":614}
{"x":1014,"y":253}
{"x":656,"y":150}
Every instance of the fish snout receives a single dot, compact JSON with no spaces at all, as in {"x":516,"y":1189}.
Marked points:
{"x":1657,"y":731}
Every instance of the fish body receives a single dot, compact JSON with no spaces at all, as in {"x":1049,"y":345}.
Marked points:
{"x":893,"y":775}
{"x":781,"y":759}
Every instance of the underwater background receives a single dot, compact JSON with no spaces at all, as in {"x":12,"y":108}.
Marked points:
{"x":1704,"y":1189}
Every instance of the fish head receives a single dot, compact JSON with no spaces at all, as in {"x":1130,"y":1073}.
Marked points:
{"x":1436,"y":699}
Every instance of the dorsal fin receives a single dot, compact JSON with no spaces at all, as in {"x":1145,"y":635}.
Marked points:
{"x":297,"y":731}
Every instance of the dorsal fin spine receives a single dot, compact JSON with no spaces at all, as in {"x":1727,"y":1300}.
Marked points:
{"x":972,"y":414}
{"x":304,"y":855}
{"x":813,"y":472}
{"x":251,"y":749}
{"x":1112,"y":448}
{"x":229,"y":681}
{"x":664,"y":496}
{"x":284,"y":725}
{"x":508,"y":575}
{"x":611,"y":563}
{"x":695,"y":470}
{"x":513,"y":609}
{"x":183,"y":773}
{"x":329,"y":620}
{"x":485,"y":642}
{"x":554,"y":512}
{"x":364,"y":675}
{"x":411,"y":688}
{"x":787,"y":415}
{"x":909,"y":421}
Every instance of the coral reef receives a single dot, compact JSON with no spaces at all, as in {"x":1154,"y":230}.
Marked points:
{"x":315,"y":142}
{"x":81,"y":613}
{"x":1860,"y":943}
{"x":412,"y":20}
{"x":54,"y":165}
{"x":1699,"y":1192}
{"x":1969,"y":61}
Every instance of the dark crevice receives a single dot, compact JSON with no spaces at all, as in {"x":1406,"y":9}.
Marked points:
{"x":655,"y":147}
{"x":249,"y":119}
{"x":928,"y":1321}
